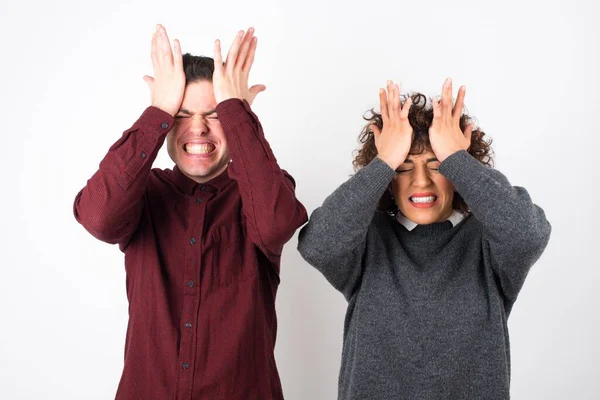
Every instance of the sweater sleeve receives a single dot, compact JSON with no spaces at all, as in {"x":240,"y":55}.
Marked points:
{"x":516,"y":230}
{"x":334,"y":239}
{"x":110,"y":204}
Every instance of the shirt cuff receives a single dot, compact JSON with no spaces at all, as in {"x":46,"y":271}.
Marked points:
{"x":232,"y":112}
{"x":154,"y":122}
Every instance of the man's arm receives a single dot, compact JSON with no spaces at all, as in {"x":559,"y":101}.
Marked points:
{"x":268,"y":193}
{"x":111,"y":203}
{"x":268,"y":199}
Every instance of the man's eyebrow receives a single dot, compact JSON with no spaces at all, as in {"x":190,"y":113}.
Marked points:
{"x":184,"y":111}
{"x":204,"y":114}
{"x":407,"y":161}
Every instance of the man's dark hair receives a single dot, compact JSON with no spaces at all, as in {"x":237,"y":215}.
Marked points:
{"x":197,"y":68}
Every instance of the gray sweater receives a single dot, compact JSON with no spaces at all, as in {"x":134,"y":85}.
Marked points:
{"x":427,"y":309}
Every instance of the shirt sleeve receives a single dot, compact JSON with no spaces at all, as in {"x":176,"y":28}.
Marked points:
{"x":334,"y":239}
{"x":268,"y":193}
{"x":110,"y":204}
{"x":516,"y":230}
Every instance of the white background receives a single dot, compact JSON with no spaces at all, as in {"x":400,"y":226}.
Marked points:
{"x":71,"y":82}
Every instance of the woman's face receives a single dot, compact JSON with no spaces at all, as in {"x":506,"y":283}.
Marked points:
{"x":422,"y":194}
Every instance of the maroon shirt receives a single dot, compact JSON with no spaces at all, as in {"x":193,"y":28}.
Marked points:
{"x":202,"y":260}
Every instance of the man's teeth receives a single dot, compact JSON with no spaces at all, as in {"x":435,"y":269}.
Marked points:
{"x":427,"y":199}
{"x":199,"y":148}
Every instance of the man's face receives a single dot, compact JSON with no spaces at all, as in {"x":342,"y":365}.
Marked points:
{"x":197,"y":142}
{"x":422,"y":194}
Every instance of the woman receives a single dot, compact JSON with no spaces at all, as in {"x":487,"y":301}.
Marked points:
{"x":430,"y":246}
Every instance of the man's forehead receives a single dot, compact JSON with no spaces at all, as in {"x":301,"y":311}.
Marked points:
{"x":199,"y":97}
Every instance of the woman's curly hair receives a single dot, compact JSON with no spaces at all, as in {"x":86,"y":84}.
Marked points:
{"x":420,"y":117}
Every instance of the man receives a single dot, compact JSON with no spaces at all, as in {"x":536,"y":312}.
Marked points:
{"x":203,"y":241}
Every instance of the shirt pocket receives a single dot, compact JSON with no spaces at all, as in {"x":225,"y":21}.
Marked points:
{"x":231,"y":258}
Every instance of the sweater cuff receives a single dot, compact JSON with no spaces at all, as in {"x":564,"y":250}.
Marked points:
{"x":460,"y":167}
{"x":377,"y":175}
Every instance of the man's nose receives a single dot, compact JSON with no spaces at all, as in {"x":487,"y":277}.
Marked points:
{"x":198,"y":124}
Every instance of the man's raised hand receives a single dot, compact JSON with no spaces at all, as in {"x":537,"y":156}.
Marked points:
{"x":230,"y":79}
{"x":168,"y":84}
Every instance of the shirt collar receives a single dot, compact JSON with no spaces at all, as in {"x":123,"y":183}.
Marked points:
{"x":188,"y":186}
{"x":455,"y":218}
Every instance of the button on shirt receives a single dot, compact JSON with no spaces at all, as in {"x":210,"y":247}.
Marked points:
{"x":202,"y":261}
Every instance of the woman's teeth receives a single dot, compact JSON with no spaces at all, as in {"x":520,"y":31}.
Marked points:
{"x":199,"y":148}
{"x":427,"y":199}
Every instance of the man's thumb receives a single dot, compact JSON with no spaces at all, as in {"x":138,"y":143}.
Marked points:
{"x":254,"y":90}
{"x":150,"y":81}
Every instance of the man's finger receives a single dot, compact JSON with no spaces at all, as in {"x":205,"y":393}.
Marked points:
{"x":167,"y":53}
{"x":150,"y":81}
{"x":250,"y":58}
{"x":177,"y":56}
{"x":217,"y":57}
{"x":153,"y":52}
{"x":244,"y":47}
{"x":255,"y":90}
{"x":233,"y":51}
